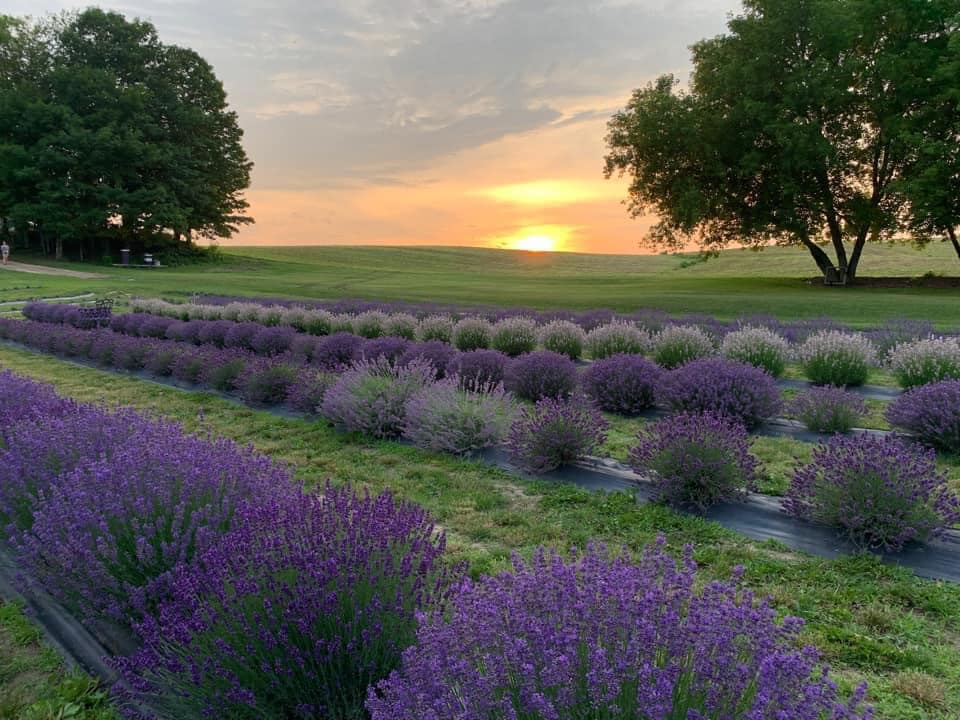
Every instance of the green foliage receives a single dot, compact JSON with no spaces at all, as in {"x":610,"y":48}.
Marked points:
{"x":109,"y":137}
{"x":801,"y":125}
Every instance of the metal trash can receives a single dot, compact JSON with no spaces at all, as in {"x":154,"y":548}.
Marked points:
{"x":148,"y":259}
{"x":125,"y":256}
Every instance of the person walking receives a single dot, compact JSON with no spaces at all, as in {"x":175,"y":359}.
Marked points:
{"x":5,"y":251}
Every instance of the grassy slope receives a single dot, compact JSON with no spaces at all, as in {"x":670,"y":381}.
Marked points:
{"x":872,"y":622}
{"x":738,"y":282}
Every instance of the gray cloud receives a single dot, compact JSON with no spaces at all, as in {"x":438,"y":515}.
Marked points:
{"x":346,"y":91}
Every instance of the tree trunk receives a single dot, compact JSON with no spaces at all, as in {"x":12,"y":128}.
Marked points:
{"x":855,"y":255}
{"x":822,"y":260}
{"x":952,"y":234}
{"x":59,"y":248}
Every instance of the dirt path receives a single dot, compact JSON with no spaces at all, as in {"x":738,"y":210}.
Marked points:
{"x":44,"y":270}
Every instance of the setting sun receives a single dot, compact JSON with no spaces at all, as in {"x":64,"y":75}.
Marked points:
{"x":536,"y":243}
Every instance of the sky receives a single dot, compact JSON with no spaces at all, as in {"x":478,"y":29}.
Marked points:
{"x":432,"y":122}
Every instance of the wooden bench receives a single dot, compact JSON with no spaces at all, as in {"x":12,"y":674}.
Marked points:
{"x":99,"y":314}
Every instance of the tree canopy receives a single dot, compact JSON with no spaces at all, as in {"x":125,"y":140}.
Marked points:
{"x":110,"y":137}
{"x":823,"y":123}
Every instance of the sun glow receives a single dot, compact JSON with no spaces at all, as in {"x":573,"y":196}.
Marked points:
{"x":545,"y":192}
{"x":535,"y":243}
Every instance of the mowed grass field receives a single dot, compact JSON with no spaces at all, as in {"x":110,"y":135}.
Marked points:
{"x":775,"y":281}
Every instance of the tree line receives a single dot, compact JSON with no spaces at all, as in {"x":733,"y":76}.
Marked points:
{"x":110,"y":138}
{"x":821,"y":123}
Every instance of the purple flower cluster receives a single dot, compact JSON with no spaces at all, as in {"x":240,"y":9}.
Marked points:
{"x":541,"y":374}
{"x":623,"y":384}
{"x":439,"y":354}
{"x":696,"y":459}
{"x":828,"y":409}
{"x":306,"y":393}
{"x":932,"y":413}
{"x":594,"y":637}
{"x":722,"y":387}
{"x":479,"y":369}
{"x":882,"y":492}
{"x":555,"y":432}
{"x":388,"y":347}
{"x":294,"y":613}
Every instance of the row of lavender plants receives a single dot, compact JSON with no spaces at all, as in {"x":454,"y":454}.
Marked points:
{"x":622,"y":384}
{"x":829,"y":357}
{"x":248,"y":598}
{"x":699,"y":456}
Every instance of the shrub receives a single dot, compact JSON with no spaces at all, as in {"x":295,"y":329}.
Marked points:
{"x":828,"y":409}
{"x":479,"y":370}
{"x":318,"y":322}
{"x":541,"y":374}
{"x":273,"y":340}
{"x":444,"y":418}
{"x":182,"y":331}
{"x":302,"y":347}
{"x":564,"y":337}
{"x":371,"y":397}
{"x":190,"y":364}
{"x":160,"y":358}
{"x":390,"y":348}
{"x":722,"y":387}
{"x":436,"y":327}
{"x":555,"y":432}
{"x":270,"y":315}
{"x":337,"y":351}
{"x":241,"y":335}
{"x":925,"y":361}
{"x":895,"y":332}
{"x":155,"y":327}
{"x":214,"y":332}
{"x":881,"y":491}
{"x":295,"y":613}
{"x":438,"y":354}
{"x":514,"y":336}
{"x":402,"y":325}
{"x":609,"y":638}
{"x":696,"y":459}
{"x":472,"y":333}
{"x":107,"y":536}
{"x":624,"y":384}
{"x":223,"y":369}
{"x":341,"y":323}
{"x":129,"y":353}
{"x":307,"y":391}
{"x":832,"y":357}
{"x":616,"y":338}
{"x":757,"y":346}
{"x":370,"y":324}
{"x":931,"y":412}
{"x":265,"y":382}
{"x":678,"y":344}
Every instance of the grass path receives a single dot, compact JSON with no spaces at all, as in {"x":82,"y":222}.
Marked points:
{"x":873,"y":622}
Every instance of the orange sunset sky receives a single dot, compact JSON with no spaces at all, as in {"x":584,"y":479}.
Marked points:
{"x":440,"y":122}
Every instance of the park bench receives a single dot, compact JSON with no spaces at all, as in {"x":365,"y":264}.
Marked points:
{"x":98,"y":314}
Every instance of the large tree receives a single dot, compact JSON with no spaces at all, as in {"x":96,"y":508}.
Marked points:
{"x":108,"y":135}
{"x":801,"y":125}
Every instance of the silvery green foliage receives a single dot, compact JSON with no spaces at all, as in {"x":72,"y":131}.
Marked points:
{"x":436,"y":327}
{"x":616,"y":337}
{"x":472,"y":333}
{"x":678,"y":344}
{"x":834,"y":357}
{"x":514,"y":336}
{"x":757,"y":346}
{"x":564,"y":337}
{"x":370,"y":324}
{"x":401,"y":325}
{"x":925,"y":361}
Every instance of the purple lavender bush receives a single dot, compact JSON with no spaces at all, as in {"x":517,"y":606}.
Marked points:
{"x":307,"y":391}
{"x":479,"y":369}
{"x":696,"y":459}
{"x":541,"y":374}
{"x":828,"y":409}
{"x":387,"y":347}
{"x":555,"y":432}
{"x":882,"y":492}
{"x":564,"y":337}
{"x":295,"y":613}
{"x":932,"y":413}
{"x":514,"y":336}
{"x":371,"y":397}
{"x":623,"y":384}
{"x":265,"y":381}
{"x":241,"y":335}
{"x":337,"y":351}
{"x":214,"y":332}
{"x":189,"y":366}
{"x":439,"y":354}
{"x":23,"y":400}
{"x":106,"y":537}
{"x":223,"y":368}
{"x":274,"y":340}
{"x":722,"y":387}
{"x":601,"y":638}
{"x":444,"y":418}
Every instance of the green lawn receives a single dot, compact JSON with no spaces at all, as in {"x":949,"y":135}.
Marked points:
{"x":872,"y":622}
{"x":738,"y":282}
